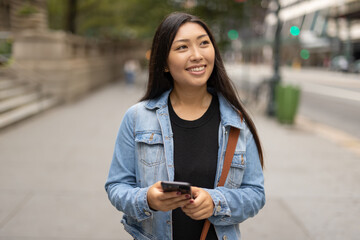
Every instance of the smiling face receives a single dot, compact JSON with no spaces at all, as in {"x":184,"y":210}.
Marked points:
{"x":191,"y":57}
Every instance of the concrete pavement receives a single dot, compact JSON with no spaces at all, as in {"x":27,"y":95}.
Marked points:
{"x":54,"y":165}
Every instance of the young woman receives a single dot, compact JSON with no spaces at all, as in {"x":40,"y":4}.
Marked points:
{"x":179,"y":132}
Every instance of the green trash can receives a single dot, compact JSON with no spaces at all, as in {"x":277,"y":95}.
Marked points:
{"x":287,"y":101}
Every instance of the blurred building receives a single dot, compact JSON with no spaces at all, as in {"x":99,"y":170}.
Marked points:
{"x":315,"y":32}
{"x":17,"y":15}
{"x":41,"y":68}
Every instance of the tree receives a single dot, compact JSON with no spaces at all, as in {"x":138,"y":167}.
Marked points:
{"x":71,"y":15}
{"x":129,"y":19}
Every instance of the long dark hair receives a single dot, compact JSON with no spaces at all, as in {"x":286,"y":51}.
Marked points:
{"x":161,"y":81}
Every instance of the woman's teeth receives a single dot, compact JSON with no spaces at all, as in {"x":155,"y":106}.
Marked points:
{"x":197,"y":69}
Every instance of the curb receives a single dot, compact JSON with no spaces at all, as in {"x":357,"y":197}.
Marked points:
{"x":337,"y":136}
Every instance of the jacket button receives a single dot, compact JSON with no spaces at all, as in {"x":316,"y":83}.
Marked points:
{"x":225,"y":237}
{"x":147,"y":213}
{"x":218,"y":209}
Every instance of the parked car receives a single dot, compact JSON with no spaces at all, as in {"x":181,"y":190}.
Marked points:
{"x":339,"y":63}
{"x":356,"y":66}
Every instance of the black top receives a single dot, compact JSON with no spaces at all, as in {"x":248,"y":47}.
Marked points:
{"x":195,"y":160}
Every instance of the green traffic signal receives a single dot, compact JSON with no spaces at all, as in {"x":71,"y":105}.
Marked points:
{"x":304,"y":54}
{"x":233,"y":34}
{"x":295,"y":31}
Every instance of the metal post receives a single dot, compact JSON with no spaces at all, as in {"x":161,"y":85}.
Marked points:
{"x":349,"y":46}
{"x":335,"y":42}
{"x":276,"y":78}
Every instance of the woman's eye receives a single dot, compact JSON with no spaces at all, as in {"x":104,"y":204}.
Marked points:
{"x":181,"y":47}
{"x":206,"y":42}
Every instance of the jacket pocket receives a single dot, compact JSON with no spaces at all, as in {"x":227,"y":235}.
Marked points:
{"x":151,"y":164}
{"x":236,"y":171}
{"x":135,"y":229}
{"x":150,"y":148}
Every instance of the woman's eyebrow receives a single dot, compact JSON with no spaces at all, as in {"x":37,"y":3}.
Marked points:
{"x":187,"y":40}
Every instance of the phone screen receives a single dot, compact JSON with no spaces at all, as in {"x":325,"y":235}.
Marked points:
{"x":183,"y":187}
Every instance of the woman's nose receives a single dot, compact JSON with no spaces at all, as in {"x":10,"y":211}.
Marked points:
{"x":196,"y":55}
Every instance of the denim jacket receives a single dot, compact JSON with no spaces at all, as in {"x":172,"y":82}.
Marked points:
{"x":144,"y":153}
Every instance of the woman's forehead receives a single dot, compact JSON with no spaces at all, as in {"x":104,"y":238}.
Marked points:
{"x":189,"y":30}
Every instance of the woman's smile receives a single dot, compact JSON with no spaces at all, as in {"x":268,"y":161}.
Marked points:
{"x":197,"y":70}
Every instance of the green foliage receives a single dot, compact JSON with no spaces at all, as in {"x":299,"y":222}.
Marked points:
{"x":122,"y":19}
{"x":56,"y":13}
{"x":27,"y":10}
{"x":5,"y":46}
{"x":130,"y":19}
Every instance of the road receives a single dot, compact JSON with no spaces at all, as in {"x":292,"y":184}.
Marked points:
{"x":331,"y":98}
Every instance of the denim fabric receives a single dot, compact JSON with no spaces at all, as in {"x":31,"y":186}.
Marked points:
{"x":143,"y":155}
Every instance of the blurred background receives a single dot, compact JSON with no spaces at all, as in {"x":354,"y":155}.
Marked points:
{"x":64,"y":49}
{"x":69,"y":69}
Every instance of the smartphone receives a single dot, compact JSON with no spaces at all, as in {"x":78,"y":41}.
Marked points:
{"x":183,"y":187}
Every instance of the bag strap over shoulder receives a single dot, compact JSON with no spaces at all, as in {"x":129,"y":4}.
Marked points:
{"x":229,"y":154}
{"x":230,"y":150}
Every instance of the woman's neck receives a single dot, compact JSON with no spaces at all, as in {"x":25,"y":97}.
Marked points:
{"x":190,"y":104}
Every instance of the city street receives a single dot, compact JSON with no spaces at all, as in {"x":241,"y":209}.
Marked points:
{"x":69,"y":71}
{"x":328,"y":97}
{"x":53,"y":168}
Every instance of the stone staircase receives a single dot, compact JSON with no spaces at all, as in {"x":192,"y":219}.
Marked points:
{"x":20,"y":100}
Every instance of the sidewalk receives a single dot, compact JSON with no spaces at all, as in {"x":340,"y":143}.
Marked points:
{"x":53,"y":168}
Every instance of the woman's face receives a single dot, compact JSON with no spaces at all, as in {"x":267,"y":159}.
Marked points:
{"x":191,"y":57}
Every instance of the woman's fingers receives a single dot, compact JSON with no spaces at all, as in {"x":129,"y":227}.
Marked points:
{"x":199,"y":215}
{"x":175,"y":203}
{"x":200,"y":208}
{"x":172,"y":203}
{"x":165,"y":201}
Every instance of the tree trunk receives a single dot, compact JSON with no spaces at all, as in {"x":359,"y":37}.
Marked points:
{"x":71,"y":16}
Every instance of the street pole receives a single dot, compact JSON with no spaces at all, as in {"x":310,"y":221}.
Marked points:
{"x":276,"y":78}
{"x":348,"y":46}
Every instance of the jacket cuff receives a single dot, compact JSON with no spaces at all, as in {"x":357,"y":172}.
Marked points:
{"x":221,"y":207}
{"x":142,"y":207}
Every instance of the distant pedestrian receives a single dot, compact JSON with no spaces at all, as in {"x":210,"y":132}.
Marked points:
{"x":130,"y":68}
{"x":179,"y":132}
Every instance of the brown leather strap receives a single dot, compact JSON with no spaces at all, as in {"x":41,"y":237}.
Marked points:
{"x":205,"y":229}
{"x":230,"y":150}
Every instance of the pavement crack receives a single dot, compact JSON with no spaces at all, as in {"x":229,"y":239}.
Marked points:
{"x":16,"y":209}
{"x":296,"y":219}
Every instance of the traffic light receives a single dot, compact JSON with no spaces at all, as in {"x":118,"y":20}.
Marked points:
{"x":304,"y":54}
{"x":233,"y":34}
{"x":295,"y":30}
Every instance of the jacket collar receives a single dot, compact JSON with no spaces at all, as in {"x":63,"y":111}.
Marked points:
{"x":229,"y":115}
{"x":159,"y":102}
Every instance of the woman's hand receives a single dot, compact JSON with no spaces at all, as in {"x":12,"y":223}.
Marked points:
{"x":165,"y":201}
{"x":201,"y":207}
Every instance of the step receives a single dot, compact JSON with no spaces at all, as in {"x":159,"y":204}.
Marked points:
{"x":14,"y":102}
{"x":18,"y":114}
{"x":6,"y":83}
{"x":15,"y":91}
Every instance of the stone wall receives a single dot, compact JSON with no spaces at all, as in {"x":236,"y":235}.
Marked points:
{"x":69,"y":66}
{"x":30,"y":14}
{"x":63,"y":64}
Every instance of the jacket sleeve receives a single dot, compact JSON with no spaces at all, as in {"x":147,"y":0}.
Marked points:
{"x":233,"y":206}
{"x":121,"y":185}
